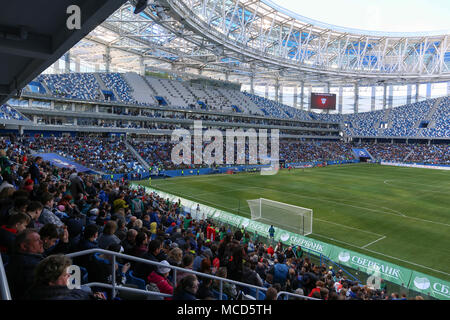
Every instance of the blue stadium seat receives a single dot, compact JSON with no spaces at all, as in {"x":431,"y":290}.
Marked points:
{"x":131,"y":279}
{"x":217,"y":295}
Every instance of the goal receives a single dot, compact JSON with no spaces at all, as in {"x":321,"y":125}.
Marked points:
{"x":282,"y":215}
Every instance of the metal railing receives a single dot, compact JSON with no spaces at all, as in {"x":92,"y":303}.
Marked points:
{"x":4,"y":287}
{"x":115,"y":287}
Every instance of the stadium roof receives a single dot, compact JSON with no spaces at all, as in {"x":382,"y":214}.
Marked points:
{"x":259,"y":40}
{"x":34,"y":34}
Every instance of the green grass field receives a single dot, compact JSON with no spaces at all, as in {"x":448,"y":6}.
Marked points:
{"x":401,"y":215}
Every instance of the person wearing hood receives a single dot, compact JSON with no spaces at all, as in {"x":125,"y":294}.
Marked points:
{"x":159,"y":277}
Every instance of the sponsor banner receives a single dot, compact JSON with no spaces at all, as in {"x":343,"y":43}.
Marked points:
{"x":415,"y":165}
{"x":431,"y":286}
{"x":404,"y":277}
{"x":371,"y":266}
{"x":307,"y":244}
{"x":361,"y":153}
{"x":62,"y":162}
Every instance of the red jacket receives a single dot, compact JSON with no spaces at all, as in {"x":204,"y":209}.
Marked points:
{"x":161,"y":282}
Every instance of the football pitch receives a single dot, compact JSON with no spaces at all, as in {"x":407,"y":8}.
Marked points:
{"x":396,"y":214}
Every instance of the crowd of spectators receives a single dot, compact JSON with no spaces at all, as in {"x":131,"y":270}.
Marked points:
{"x":47,"y":212}
{"x":109,"y":156}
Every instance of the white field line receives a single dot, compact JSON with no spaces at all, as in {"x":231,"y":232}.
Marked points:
{"x":339,"y":241}
{"x":403,"y":215}
{"x":343,"y":225}
{"x":358,"y":207}
{"x":420,"y":184}
{"x":395,"y":213}
{"x":373,"y":242}
{"x":384,"y":255}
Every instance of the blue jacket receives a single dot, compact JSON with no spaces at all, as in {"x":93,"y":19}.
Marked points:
{"x":280,"y":273}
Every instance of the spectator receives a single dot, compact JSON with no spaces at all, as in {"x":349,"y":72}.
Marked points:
{"x":108,"y":237}
{"x":187,"y":288}
{"x":130,"y":241}
{"x":159,"y":277}
{"x":142,"y":270}
{"x":271,"y":294}
{"x":28,"y":250}
{"x":16,"y":223}
{"x":51,"y":278}
{"x":47,"y":216}
{"x":34,"y":210}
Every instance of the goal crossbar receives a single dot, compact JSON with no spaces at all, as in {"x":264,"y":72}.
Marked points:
{"x":285,"y":216}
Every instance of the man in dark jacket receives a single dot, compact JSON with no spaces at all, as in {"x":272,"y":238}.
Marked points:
{"x":77,"y":186}
{"x":142,"y":270}
{"x":16,"y":223}
{"x":20,"y":270}
{"x":35,"y":171}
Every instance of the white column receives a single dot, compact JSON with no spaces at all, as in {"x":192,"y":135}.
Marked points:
{"x":56,"y":67}
{"x":373,"y":98}
{"x":107,"y":59}
{"x":341,"y":99}
{"x":428,"y":90}
{"x":77,"y":64}
{"x":295,"y":97}
{"x":67,"y":60}
{"x":280,"y":99}
{"x":417,"y":92}
{"x":252,"y":85}
{"x":141,"y":66}
{"x":309,"y":101}
{"x":266,"y":93}
{"x":302,"y":95}
{"x":391,"y":96}
{"x":408,"y":93}
{"x":356,"y":98}
{"x":384,"y":95}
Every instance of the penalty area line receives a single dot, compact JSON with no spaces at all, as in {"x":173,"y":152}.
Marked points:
{"x":373,"y":242}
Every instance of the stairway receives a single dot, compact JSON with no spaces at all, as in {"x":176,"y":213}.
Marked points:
{"x":137,"y":155}
{"x":141,"y":90}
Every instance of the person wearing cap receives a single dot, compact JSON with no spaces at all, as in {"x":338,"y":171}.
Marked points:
{"x":159,"y":277}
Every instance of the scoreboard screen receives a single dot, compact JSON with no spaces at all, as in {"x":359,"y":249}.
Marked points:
{"x":323,"y":101}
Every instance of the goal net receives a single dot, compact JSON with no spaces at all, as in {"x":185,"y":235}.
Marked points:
{"x":282,"y":215}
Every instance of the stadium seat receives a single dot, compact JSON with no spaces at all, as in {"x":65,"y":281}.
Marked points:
{"x":131,"y":279}
{"x":217,"y":295}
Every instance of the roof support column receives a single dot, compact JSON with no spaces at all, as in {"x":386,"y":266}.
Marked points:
{"x":56,"y":67}
{"x":373,"y":98}
{"x":391,"y":96}
{"x":341,"y":99}
{"x":448,"y":88}
{"x":266,"y":93}
{"x":302,"y":95}
{"x":428,"y":90}
{"x":141,"y":66}
{"x":309,"y":102}
{"x":280,"y":99}
{"x":277,"y":90}
{"x":417,"y":93}
{"x":295,"y":96}
{"x":67,"y":60}
{"x":107,"y":58}
{"x":356,"y":97}
{"x":408,"y":93}
{"x":384,"y":95}
{"x":252,"y":85}
{"x":77,"y":64}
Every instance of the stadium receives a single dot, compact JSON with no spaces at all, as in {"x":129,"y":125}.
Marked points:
{"x":220,"y":150}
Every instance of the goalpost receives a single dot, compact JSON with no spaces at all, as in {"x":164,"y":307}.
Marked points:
{"x":282,"y":215}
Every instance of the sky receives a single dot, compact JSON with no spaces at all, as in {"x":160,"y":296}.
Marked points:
{"x":376,"y":15}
